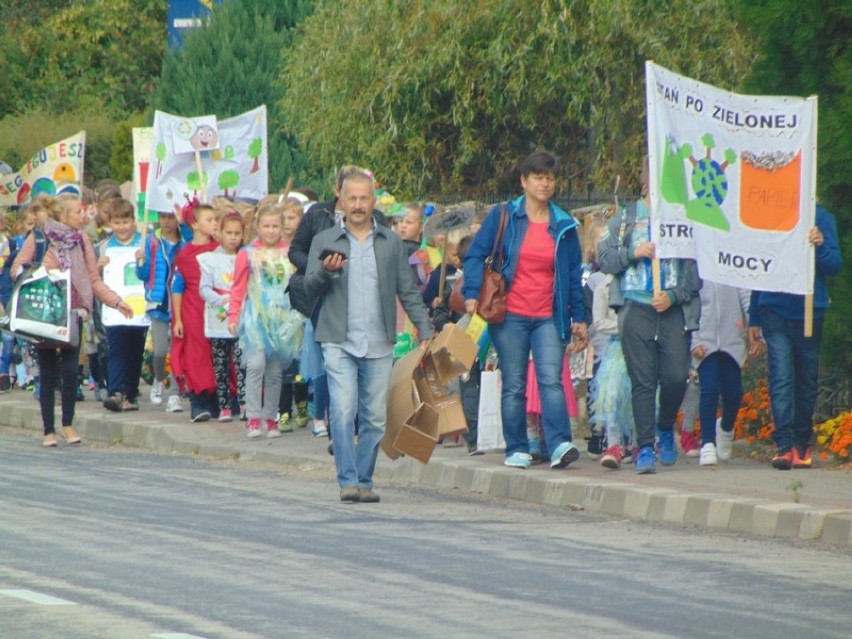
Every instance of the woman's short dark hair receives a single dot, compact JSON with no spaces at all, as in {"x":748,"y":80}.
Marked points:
{"x":539,"y":162}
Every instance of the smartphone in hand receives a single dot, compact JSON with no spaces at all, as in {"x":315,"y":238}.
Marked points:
{"x":327,"y":252}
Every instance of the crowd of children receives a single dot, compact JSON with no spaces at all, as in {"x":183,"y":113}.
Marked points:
{"x":225,"y":335}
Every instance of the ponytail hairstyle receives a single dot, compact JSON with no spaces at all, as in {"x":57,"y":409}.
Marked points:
{"x":44,"y":207}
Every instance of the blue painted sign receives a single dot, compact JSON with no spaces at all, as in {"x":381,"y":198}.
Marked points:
{"x":187,"y":14}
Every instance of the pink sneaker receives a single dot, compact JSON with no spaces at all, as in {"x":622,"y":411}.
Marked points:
{"x":225,"y":415}
{"x":271,"y":428}
{"x":689,"y":444}
{"x":253,"y":428}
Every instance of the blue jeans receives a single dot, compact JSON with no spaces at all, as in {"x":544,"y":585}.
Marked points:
{"x":321,"y":397}
{"x":8,"y":352}
{"x":793,"y":370}
{"x":718,"y":374}
{"x":126,"y":349}
{"x":514,"y":339}
{"x":356,"y":386}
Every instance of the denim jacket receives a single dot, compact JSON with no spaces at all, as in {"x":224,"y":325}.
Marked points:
{"x":568,"y":304}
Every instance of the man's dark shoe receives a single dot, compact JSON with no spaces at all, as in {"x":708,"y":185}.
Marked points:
{"x":5,"y":383}
{"x":350,"y":494}
{"x":367,"y":496}
{"x":115,"y":403}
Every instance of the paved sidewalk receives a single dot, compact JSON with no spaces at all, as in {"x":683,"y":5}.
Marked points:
{"x":738,"y":496}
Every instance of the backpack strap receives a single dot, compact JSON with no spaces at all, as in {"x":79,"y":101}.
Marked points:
{"x":628,"y":220}
{"x":497,"y":249}
{"x":41,"y":244}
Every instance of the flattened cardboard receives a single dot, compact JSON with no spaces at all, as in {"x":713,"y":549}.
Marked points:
{"x":419,"y":434}
{"x":401,"y":399}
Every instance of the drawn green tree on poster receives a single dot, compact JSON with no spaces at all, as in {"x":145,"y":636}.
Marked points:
{"x":193,"y":183}
{"x":161,"y":155}
{"x":229,"y":180}
{"x":254,"y":151}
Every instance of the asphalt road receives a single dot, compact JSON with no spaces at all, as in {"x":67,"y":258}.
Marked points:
{"x":131,"y":545}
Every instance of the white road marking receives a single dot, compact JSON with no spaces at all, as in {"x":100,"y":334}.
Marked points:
{"x":37,"y":598}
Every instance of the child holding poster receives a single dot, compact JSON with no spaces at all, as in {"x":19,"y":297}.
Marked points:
{"x":192,"y":357}
{"x":217,"y":277}
{"x":126,"y":336}
{"x":654,"y":327}
{"x":259,"y":312}
{"x":779,"y":320}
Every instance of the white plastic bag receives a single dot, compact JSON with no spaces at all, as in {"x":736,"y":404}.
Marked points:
{"x":489,"y":433}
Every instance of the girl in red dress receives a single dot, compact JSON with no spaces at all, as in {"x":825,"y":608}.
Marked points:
{"x":191,"y":354}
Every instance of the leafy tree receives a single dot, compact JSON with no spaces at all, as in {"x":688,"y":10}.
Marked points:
{"x":231,"y":65}
{"x":446,"y":95}
{"x":22,"y":135}
{"x":81,"y":55}
{"x":121,"y":153}
{"x":804,"y":49}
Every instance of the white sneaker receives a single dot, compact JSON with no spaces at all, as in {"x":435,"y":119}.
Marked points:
{"x":724,"y":442}
{"x":156,"y":394}
{"x":174,"y":405}
{"x":707,"y":456}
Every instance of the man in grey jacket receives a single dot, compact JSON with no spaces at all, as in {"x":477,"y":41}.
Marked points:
{"x":359,"y":268}
{"x":654,"y":327}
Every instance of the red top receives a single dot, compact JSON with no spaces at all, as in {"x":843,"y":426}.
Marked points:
{"x":192,"y":356}
{"x":531,"y":294}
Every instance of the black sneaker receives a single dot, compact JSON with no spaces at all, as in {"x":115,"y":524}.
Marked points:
{"x":115,"y":403}
{"x":80,"y":396}
{"x":596,"y":445}
{"x":5,"y":383}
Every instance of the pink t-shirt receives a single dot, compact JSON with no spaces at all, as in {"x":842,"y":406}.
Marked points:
{"x":531,"y":294}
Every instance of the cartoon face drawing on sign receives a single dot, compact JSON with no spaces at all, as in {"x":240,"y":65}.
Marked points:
{"x":205,"y":137}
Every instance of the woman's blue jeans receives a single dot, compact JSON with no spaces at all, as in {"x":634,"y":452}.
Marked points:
{"x":514,"y":339}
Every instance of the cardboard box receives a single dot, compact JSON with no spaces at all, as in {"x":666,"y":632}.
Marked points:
{"x":419,"y":379}
{"x":452,"y":353}
{"x":419,"y":434}
{"x":449,"y":407}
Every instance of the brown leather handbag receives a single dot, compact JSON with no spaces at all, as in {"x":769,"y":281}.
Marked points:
{"x":492,"y":293}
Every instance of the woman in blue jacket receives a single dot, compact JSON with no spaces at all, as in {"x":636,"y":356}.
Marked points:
{"x":542,"y":266}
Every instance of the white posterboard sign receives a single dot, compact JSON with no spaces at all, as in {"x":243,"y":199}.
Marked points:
{"x":732,"y":182}
{"x":190,"y":135}
{"x":120,"y":276}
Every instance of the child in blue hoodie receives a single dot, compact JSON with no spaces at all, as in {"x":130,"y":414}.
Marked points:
{"x":155,"y":266}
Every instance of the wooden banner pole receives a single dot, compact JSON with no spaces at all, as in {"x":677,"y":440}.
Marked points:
{"x":809,"y":315}
{"x":201,"y":179}
{"x":443,"y":274}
